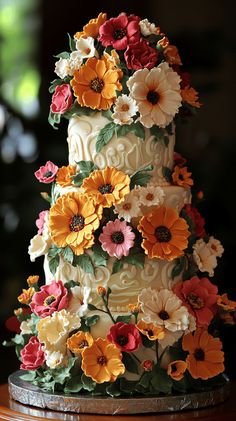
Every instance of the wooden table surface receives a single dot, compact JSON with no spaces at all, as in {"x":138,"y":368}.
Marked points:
{"x":13,"y":411}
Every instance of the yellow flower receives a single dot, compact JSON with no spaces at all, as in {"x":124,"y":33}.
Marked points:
{"x":26,"y":295}
{"x":176,"y":369}
{"x":65,"y":174}
{"x":190,"y":95}
{"x":72,"y":221}
{"x":32,"y":280}
{"x":108,"y":187}
{"x":79,"y":341}
{"x":95,"y":84}
{"x":18,"y":311}
{"x":150,"y":330}
{"x":134,"y":308}
{"x":91,"y":29}
{"x":102,"y":361}
{"x":182,"y":177}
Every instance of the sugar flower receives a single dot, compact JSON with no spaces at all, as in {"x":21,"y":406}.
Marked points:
{"x":92,"y":27}
{"x":204,"y":257}
{"x":206,"y":358}
{"x":72,"y":221}
{"x":117,"y":238}
{"x":102,"y":361}
{"x":46,"y":174}
{"x":120,"y":31}
{"x":172,"y":55}
{"x":148,"y":28}
{"x":176,"y":369}
{"x":165,"y":234}
{"x":78,"y":300}
{"x":75,"y":61}
{"x":62,"y":99}
{"x":26,"y":295}
{"x":108,"y":186}
{"x":147,"y":365}
{"x":125,"y":336}
{"x":190,"y":95}
{"x":129,"y":208}
{"x":32,"y":355}
{"x":199,"y":296}
{"x":62,"y":67}
{"x":179,"y":159}
{"x":65,"y":175}
{"x":197,"y":220}
{"x":55,"y":359}
{"x":95,"y":84}
{"x":181,"y":177}
{"x":152,"y":331}
{"x":85,"y":47}
{"x":141,"y":55}
{"x":40,"y":222}
{"x":215,"y":246}
{"x":52,"y":297}
{"x":38,"y":247}
{"x":32,"y":280}
{"x":157,"y":93}
{"x":151,"y":195}
{"x":124,"y":109}
{"x":79,"y":341}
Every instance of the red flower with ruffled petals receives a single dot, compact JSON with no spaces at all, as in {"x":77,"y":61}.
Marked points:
{"x":32,"y":355}
{"x":199,"y":296}
{"x":125,"y":336}
{"x":141,"y":55}
{"x":50,"y":298}
{"x":120,"y":32}
{"x":198,"y":220}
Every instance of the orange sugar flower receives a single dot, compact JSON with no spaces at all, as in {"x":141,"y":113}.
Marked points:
{"x":102,"y":361}
{"x":95,"y":84}
{"x":26,"y":295}
{"x":32,"y":280}
{"x":101,"y":290}
{"x":176,"y":369}
{"x":181,"y":177}
{"x":190,"y":95}
{"x":79,"y":341}
{"x":165,"y":234}
{"x":225,"y":303}
{"x":134,"y":308}
{"x":91,"y":29}
{"x":206,"y":358}
{"x":72,"y":221}
{"x":172,"y":55}
{"x":150,"y":330}
{"x":65,"y":174}
{"x":108,"y":187}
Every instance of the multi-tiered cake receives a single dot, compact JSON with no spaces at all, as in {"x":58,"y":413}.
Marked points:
{"x":129,"y":304}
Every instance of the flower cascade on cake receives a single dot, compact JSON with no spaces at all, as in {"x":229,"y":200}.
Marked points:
{"x":129,"y":304}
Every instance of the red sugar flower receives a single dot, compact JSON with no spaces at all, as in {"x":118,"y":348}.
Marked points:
{"x":32,"y":355}
{"x":50,"y":298}
{"x":141,"y":55}
{"x":125,"y":336}
{"x":197,"y":219}
{"x":199,"y":296}
{"x":120,"y":32}
{"x":46,"y":174}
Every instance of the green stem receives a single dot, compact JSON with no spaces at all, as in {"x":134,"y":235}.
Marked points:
{"x":107,"y":310}
{"x":135,"y":356}
{"x":162,"y":354}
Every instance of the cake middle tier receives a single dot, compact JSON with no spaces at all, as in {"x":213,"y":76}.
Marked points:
{"x":128,"y":153}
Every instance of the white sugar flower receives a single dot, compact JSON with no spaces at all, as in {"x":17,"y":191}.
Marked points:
{"x":204,"y":257}
{"x":129,"y":208}
{"x":55,"y":359}
{"x":75,"y":61}
{"x":85,"y":47}
{"x":148,"y":28}
{"x":62,"y":67}
{"x":157,"y":94}
{"x":215,"y":246}
{"x":79,"y":300}
{"x":151,"y":195}
{"x":125,"y":108}
{"x":38,"y":246}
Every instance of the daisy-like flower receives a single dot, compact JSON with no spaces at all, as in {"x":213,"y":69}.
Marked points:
{"x":165,"y":234}
{"x":151,"y":195}
{"x":91,"y":29}
{"x":176,"y":369}
{"x":124,"y":109}
{"x":150,"y":330}
{"x":95,"y":84}
{"x":181,"y":177}
{"x":157,"y":94}
{"x":204,"y":257}
{"x":120,"y":31}
{"x":206,"y":358}
{"x":148,"y":28}
{"x":164,"y":309}
{"x":108,"y":186}
{"x":65,"y":175}
{"x":129,"y":208}
{"x":102,"y":361}
{"x":85,"y":47}
{"x":190,"y":95}
{"x":215,"y":246}
{"x":117,"y":238}
{"x":72,"y":221}
{"x":46,"y":174}
{"x":79,"y":341}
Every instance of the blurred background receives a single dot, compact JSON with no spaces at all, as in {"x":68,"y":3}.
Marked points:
{"x":31,"y":32}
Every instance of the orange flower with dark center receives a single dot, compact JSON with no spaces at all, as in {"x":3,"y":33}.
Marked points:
{"x":150,"y":330}
{"x":165,"y":234}
{"x":181,"y":177}
{"x":79,"y":341}
{"x":107,"y":187}
{"x":95,"y":84}
{"x":206,"y":358}
{"x":176,"y":369}
{"x":65,"y":174}
{"x":72,"y":221}
{"x":91,"y":29}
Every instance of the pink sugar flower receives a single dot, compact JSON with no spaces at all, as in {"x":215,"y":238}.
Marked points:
{"x":32,"y":355}
{"x":117,"y":238}
{"x":41,"y":221}
{"x":50,"y":298}
{"x":46,"y":174}
{"x":120,"y":31}
{"x":125,"y":336}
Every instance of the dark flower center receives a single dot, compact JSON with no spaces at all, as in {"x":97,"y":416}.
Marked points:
{"x":150,"y":332}
{"x":48,"y":174}
{"x":106,"y":188}
{"x":199,"y":354}
{"x":163,"y":234}
{"x":122,"y":340}
{"x":173,"y":368}
{"x":49,"y":300}
{"x":153,"y":97}
{"x":101,"y":360}
{"x":117,"y":237}
{"x":119,"y":33}
{"x":195,"y":301}
{"x":163,"y":315}
{"x":97,"y":85}
{"x":181,"y":177}
{"x":83,"y":344}
{"x":76,"y":223}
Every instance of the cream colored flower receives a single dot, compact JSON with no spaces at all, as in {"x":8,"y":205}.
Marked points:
{"x":62,"y":68}
{"x":85,"y":47}
{"x":151,"y":195}
{"x":215,"y":246}
{"x":75,"y":61}
{"x":148,"y":28}
{"x":157,"y":94}
{"x":78,"y":303}
{"x":129,"y":208}
{"x":26,"y":327}
{"x":55,"y":359}
{"x":204,"y":257}
{"x":38,"y":247}
{"x":125,"y":108}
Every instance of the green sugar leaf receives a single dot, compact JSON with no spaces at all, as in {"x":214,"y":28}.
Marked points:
{"x":105,"y":135}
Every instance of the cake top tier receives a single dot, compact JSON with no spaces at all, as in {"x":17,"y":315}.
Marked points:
{"x":126,"y":68}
